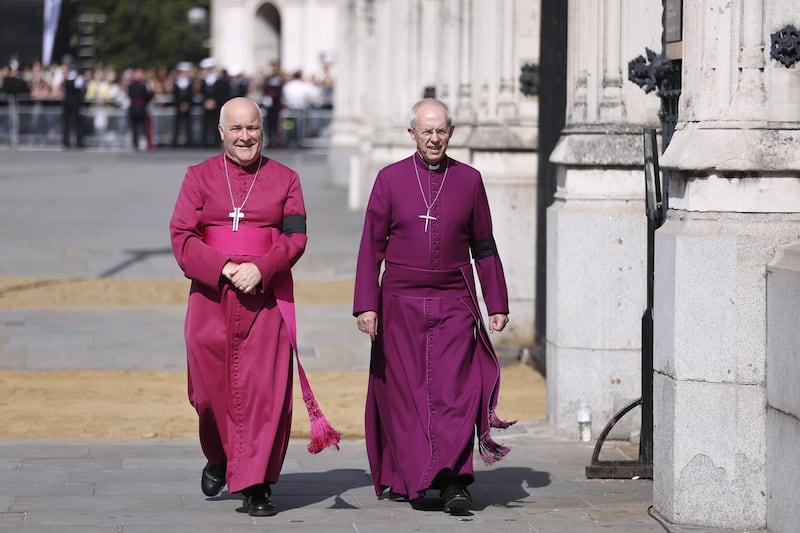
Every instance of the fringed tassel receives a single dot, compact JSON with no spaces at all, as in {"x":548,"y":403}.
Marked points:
{"x":490,"y":451}
{"x":496,"y":422}
{"x":322,"y":433}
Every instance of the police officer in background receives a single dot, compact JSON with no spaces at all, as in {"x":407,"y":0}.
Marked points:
{"x":273,"y":95}
{"x":73,"y":92}
{"x":140,"y":96}
{"x":216,"y":91}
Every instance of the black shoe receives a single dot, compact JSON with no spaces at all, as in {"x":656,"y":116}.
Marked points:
{"x":393,"y":496}
{"x":258,"y":501}
{"x":456,"y":499}
{"x":213,"y":479}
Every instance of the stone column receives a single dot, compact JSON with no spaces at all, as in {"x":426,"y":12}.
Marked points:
{"x":463,"y":110}
{"x":502,"y":146}
{"x":734,"y":195}
{"x":506,"y":106}
{"x":488,"y":32}
{"x":597,"y":228}
{"x":783,"y":402}
{"x":346,"y":108}
{"x":231,"y":27}
{"x":451,"y":32}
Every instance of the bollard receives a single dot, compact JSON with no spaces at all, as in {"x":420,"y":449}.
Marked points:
{"x":584,"y":423}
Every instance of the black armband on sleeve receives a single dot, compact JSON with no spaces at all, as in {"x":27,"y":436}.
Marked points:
{"x":294,"y":224}
{"x":483,"y":247}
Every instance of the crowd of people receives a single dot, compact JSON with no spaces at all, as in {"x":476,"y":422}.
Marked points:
{"x":104,"y":100}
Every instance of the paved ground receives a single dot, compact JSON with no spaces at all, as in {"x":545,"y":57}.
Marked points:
{"x":106,"y":214}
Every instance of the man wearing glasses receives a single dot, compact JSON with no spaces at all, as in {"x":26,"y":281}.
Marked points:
{"x":434,"y":377}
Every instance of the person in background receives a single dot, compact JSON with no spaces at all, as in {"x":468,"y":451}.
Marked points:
{"x":216,"y":91}
{"x":238,"y":227}
{"x":71,"y":86}
{"x":13,"y":83}
{"x":182,"y":97}
{"x":40,"y":82}
{"x":324,"y":83}
{"x":297,"y":97}
{"x":101,"y":93}
{"x":72,"y":89}
{"x":272,"y":101}
{"x":140,"y":96}
{"x":239,"y":84}
{"x":160,"y":84}
{"x":434,"y":376}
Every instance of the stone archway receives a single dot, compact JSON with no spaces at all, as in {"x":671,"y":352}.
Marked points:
{"x":267,"y":38}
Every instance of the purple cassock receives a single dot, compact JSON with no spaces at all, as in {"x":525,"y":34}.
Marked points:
{"x":239,"y":346}
{"x":434,"y":376}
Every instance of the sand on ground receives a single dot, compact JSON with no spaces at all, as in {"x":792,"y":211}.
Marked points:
{"x":150,"y":404}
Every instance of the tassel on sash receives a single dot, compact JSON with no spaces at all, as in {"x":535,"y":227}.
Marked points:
{"x":323,"y":434}
{"x":496,"y":422}
{"x":491,"y":451}
{"x":250,"y":240}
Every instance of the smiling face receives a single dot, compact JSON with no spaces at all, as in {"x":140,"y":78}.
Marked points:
{"x":241,"y":130}
{"x":431,"y":130}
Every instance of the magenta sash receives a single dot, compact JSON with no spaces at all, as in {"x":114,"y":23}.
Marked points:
{"x":258,"y":241}
{"x":249,"y":240}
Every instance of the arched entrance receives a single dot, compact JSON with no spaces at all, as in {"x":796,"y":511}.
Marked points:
{"x":267,"y":39}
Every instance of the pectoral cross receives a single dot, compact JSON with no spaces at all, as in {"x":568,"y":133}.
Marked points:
{"x":427,"y":216}
{"x":236,"y":214}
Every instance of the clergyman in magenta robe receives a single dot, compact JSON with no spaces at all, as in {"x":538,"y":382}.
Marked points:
{"x":434,"y":377}
{"x":238,"y":227}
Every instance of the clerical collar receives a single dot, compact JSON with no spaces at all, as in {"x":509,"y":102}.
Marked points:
{"x":248,"y":167}
{"x":435,"y":167}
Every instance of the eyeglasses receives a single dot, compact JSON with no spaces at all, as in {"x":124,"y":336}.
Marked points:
{"x":427,"y":134}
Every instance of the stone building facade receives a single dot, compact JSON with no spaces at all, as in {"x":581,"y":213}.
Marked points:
{"x":726,"y":274}
{"x":252,"y":33}
{"x":725,"y":428}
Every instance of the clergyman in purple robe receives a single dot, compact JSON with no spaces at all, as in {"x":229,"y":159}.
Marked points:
{"x":434,"y":376}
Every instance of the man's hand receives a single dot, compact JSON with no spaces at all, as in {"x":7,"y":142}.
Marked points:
{"x":497,"y":322}
{"x":229,"y":268}
{"x":244,"y":277}
{"x":368,"y":323}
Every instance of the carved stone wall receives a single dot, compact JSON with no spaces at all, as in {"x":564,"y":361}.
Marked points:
{"x":597,"y":229}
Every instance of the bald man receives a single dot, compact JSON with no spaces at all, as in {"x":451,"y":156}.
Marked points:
{"x":238,"y":227}
{"x":434,"y":377}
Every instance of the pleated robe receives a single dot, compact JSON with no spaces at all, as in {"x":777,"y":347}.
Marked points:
{"x":434,"y":376}
{"x":238,"y":347}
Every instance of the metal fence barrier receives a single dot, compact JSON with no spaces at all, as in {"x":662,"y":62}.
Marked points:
{"x":38,"y":123}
